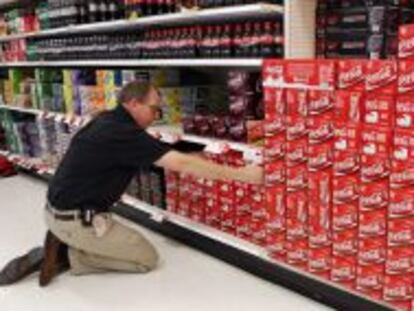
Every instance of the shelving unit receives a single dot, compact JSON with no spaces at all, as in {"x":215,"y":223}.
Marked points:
{"x":299,"y":25}
{"x":127,"y":63}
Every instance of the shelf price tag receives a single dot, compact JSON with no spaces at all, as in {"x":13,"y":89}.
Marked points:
{"x":158,"y":217}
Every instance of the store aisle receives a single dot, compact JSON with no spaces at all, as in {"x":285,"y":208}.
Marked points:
{"x":186,"y":280}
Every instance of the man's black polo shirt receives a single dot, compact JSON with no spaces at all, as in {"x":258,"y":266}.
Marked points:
{"x":101,"y":161}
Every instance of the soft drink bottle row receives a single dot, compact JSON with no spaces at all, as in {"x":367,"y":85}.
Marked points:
{"x":251,"y":39}
{"x":220,"y":3}
{"x":138,"y":8}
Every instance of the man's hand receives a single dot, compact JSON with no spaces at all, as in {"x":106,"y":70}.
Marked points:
{"x":253,"y":174}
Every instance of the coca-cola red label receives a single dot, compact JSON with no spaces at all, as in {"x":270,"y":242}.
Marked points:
{"x":374,"y":195}
{"x":346,"y":189}
{"x":275,"y":173}
{"x":405,"y":77}
{"x":320,"y":156}
{"x":297,"y":252}
{"x":276,"y":209}
{"x":320,"y":102}
{"x":275,"y":148}
{"x":274,"y":126}
{"x":372,"y":251}
{"x":370,"y":277}
{"x":348,"y":107}
{"x":274,"y":101}
{"x":297,"y":177}
{"x":401,"y":232}
{"x":400,"y":260}
{"x":319,"y":73}
{"x":406,"y":42}
{"x":296,"y":152}
{"x":319,"y":259}
{"x":398,"y":288}
{"x":345,"y":242}
{"x":296,"y":102}
{"x":297,"y":215}
{"x":343,"y":268}
{"x":321,"y":128}
{"x":296,"y":128}
{"x":352,"y":74}
{"x":404,"y":112}
{"x":373,"y":223}
{"x":382,"y":77}
{"x":401,"y":203}
{"x":379,"y":110}
{"x":273,"y":72}
{"x":275,"y":245}
{"x":347,"y":143}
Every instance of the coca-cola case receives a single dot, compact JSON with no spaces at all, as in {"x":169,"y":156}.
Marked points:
{"x":273,"y":73}
{"x":379,"y":110}
{"x":399,"y":288}
{"x":317,"y":73}
{"x":347,"y":144}
{"x":382,"y":77}
{"x":275,"y":148}
{"x":370,"y":280}
{"x":404,"y":112}
{"x":344,"y":271}
{"x":297,"y":215}
{"x":276,"y":209}
{"x":402,"y":161}
{"x":320,"y":209}
{"x":345,"y":242}
{"x":406,"y":45}
{"x":297,"y":253}
{"x":320,"y":261}
{"x":375,"y":151}
{"x":400,"y":260}
{"x":346,"y":189}
{"x":320,"y":102}
{"x":372,"y":251}
{"x":352,"y":75}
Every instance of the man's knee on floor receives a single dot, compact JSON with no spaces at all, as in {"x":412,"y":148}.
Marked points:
{"x":151,"y":260}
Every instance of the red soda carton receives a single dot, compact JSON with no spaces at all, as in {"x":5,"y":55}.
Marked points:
{"x":370,"y":280}
{"x":273,"y":72}
{"x":347,"y":144}
{"x":346,"y":189}
{"x":315,"y":73}
{"x":297,"y":253}
{"x":297,"y":177}
{"x":274,"y":102}
{"x":276,"y":209}
{"x":400,"y":260}
{"x":406,"y":44}
{"x":344,"y":216}
{"x":374,"y":195}
{"x":275,"y":245}
{"x":275,"y":148}
{"x":297,"y":103}
{"x":382,"y":77}
{"x":373,"y":223}
{"x":275,"y":173}
{"x":398,"y":288}
{"x":297,"y":152}
{"x":372,"y":251}
{"x":345,"y":243}
{"x":321,"y":128}
{"x":405,"y":77}
{"x":404,"y":112}
{"x":352,"y":74}
{"x":379,"y":110}
{"x":401,"y":203}
{"x":402,"y":174}
{"x":320,"y":102}
{"x":297,"y":215}
{"x":348,"y":107}
{"x":321,"y":156}
{"x":320,"y":261}
{"x":401,"y":231}
{"x":344,"y":270}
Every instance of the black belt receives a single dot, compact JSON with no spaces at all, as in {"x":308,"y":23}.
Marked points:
{"x":85,"y":216}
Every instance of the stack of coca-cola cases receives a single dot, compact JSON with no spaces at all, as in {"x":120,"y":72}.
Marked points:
{"x":360,"y":28}
{"x":339,"y":160}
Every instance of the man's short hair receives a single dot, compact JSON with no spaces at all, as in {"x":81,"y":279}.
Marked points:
{"x":133,"y":90}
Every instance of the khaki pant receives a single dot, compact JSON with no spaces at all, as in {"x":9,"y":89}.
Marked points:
{"x":119,"y":248}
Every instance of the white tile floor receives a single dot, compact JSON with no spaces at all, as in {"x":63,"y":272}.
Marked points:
{"x":186,"y":280}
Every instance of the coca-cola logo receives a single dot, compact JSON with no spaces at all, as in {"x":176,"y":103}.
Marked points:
{"x":322,"y":133}
{"x":406,"y":82}
{"x":345,"y":221}
{"x":317,"y":106}
{"x":383,"y":76}
{"x":319,"y":162}
{"x":374,"y":200}
{"x":398,"y":265}
{"x":351,"y":77}
{"x":297,"y":155}
{"x":372,"y":256}
{"x":400,"y":237}
{"x":345,"y":194}
{"x":344,"y":248}
{"x":296,"y":131}
{"x":372,"y":229}
{"x":346,"y":166}
{"x":343,"y":274}
{"x":402,"y":178}
{"x":401,"y":208}
{"x":406,"y":47}
{"x":319,"y":264}
{"x":375,"y":171}
{"x":400,"y":291}
{"x":370,"y":281}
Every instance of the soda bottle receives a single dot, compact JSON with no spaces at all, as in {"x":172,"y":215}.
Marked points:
{"x":215,"y":41}
{"x":226,"y":42}
{"x":92,"y":11}
{"x":238,"y":41}
{"x":113,"y":10}
{"x":266,"y":41}
{"x":278,"y":39}
{"x":246,"y":44}
{"x":255,"y":47}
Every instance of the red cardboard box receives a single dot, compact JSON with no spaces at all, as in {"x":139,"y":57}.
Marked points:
{"x":344,"y":216}
{"x":347,"y":146}
{"x":374,"y":195}
{"x":406,"y":44}
{"x":404,"y":112}
{"x":320,"y":261}
{"x":276,"y":209}
{"x":372,"y":251}
{"x":296,"y":103}
{"x":296,"y":152}
{"x":352,"y":74}
{"x":370,"y":280}
{"x":297,"y":177}
{"x":402,"y":175}
{"x":274,"y":125}
{"x":320,"y":208}
{"x":344,"y":270}
{"x":348,"y":107}
{"x":375,"y":153}
{"x":382,"y":77}
{"x":379,"y":110}
{"x":275,"y":245}
{"x":346,"y":189}
{"x":319,"y":73}
{"x":401,"y":203}
{"x":321,"y":156}
{"x":275,"y":173}
{"x":297,"y":253}
{"x":345,"y":242}
{"x":321,"y":128}
{"x":401,"y":231}
{"x":275,"y":148}
{"x":320,"y":102}
{"x":373,"y":223}
{"x":400,"y":260}
{"x":297,"y":215}
{"x":274,"y":102}
{"x":405,"y":77}
{"x":398,"y":288}
{"x":273,"y":72}
{"x":296,"y":128}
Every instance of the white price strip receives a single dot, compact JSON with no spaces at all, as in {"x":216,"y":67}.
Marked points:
{"x":169,"y":137}
{"x":158,"y":217}
{"x":254,"y":156}
{"x":216,"y":147}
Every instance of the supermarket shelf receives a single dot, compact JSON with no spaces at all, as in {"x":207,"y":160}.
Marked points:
{"x":237,"y":62}
{"x":171,"y":134}
{"x":245,"y":255}
{"x":21,"y":109}
{"x":188,"y":17}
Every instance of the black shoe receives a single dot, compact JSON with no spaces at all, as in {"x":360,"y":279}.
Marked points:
{"x":20,"y":267}
{"x":55,"y":259}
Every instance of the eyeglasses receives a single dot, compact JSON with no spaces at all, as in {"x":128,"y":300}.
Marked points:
{"x":156,"y":110}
